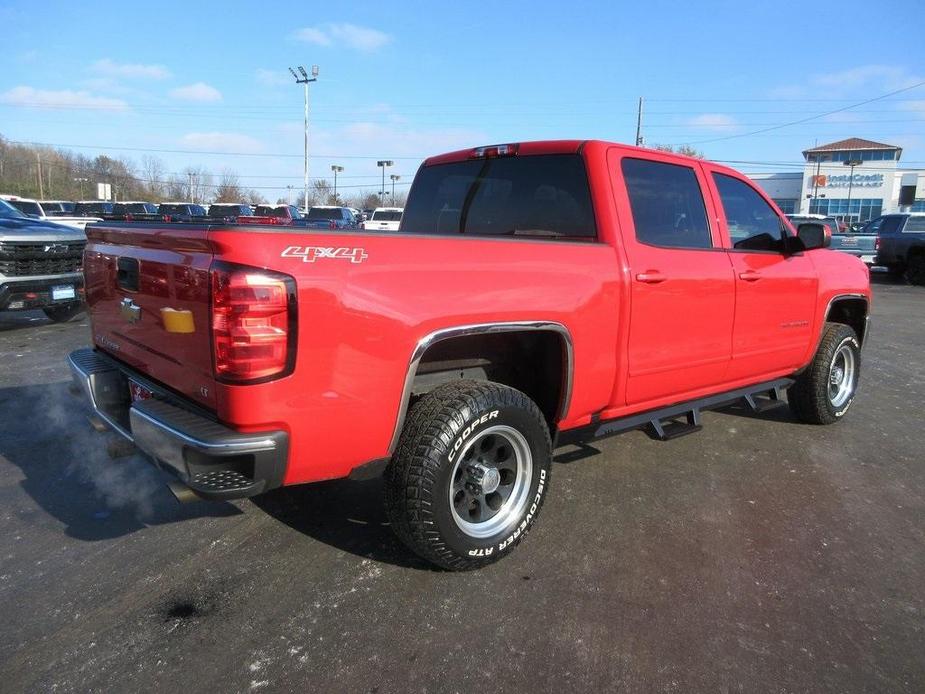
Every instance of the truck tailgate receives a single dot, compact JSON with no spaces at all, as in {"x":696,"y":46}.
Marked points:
{"x":854,"y":243}
{"x":148,"y":297}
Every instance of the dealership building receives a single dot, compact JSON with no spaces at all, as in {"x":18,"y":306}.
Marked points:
{"x":853,"y":180}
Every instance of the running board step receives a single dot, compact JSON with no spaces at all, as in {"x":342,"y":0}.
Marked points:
{"x":766,"y":400}
{"x":683,"y":418}
{"x":674,"y":428}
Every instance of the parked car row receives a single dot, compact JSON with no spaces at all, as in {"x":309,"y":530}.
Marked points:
{"x":893,"y":242}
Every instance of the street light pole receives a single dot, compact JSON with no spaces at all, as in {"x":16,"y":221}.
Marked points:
{"x":394,"y":178}
{"x":305,"y":80}
{"x":852,"y":163}
{"x":382,"y":164}
{"x":336,"y":169}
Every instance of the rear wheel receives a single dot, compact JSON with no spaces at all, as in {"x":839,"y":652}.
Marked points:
{"x":62,"y":312}
{"x":915,"y":269}
{"x":469,"y":475}
{"x":823,"y":393}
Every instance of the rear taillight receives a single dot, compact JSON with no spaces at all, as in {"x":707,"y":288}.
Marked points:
{"x":254,"y":323}
{"x":877,"y":244}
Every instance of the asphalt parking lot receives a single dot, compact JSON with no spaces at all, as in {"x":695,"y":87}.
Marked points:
{"x":759,"y":555}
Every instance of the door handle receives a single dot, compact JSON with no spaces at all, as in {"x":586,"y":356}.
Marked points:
{"x":651,"y":277}
{"x":750,"y":276}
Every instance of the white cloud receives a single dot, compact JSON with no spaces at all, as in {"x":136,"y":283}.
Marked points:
{"x":222,"y":142}
{"x":272,"y":78}
{"x":883,"y":77}
{"x":713,"y":121}
{"x":134,"y":70}
{"x":352,"y":36}
{"x":200,"y":91}
{"x":914,"y":106}
{"x":64,"y":99}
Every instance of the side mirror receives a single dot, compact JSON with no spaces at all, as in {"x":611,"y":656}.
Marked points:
{"x":814,"y":235}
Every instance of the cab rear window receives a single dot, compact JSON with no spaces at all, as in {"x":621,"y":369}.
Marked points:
{"x":539,"y":196}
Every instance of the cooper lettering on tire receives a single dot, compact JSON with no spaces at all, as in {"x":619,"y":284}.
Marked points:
{"x":470,"y":473}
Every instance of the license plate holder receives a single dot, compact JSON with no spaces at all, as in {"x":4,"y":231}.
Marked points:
{"x":63,"y":292}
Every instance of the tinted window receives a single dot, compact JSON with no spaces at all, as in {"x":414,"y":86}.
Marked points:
{"x":229,"y":210}
{"x":915,"y":224}
{"x":387,"y":216}
{"x":325,"y":213}
{"x":31,"y":209}
{"x":891,"y":225}
{"x":667,"y":204}
{"x":541,"y":196}
{"x":753,"y":223}
{"x":7,"y":211}
{"x":93,"y":208}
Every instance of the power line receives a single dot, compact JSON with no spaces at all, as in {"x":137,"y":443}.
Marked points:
{"x":806,"y":120}
{"x":205,"y":152}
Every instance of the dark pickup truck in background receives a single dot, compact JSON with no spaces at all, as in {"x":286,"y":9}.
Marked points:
{"x":900,"y":244}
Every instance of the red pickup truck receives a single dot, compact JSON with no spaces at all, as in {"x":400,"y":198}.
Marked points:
{"x":536,"y":294}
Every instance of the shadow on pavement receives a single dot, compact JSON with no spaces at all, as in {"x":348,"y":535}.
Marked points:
{"x":44,"y":432}
{"x":346,"y":514}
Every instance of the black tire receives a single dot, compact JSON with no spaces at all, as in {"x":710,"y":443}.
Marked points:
{"x":431,"y":492}
{"x":62,"y":313}
{"x":915,"y":269}
{"x":811,"y":398}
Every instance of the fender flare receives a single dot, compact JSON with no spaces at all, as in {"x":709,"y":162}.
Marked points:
{"x":480,"y":329}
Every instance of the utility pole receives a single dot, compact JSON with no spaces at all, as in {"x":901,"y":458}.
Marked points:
{"x":336,"y":169}
{"x":639,"y":139}
{"x":394,"y":178}
{"x":305,"y":80}
{"x":38,"y":160}
{"x":191,"y":196}
{"x":289,"y":188}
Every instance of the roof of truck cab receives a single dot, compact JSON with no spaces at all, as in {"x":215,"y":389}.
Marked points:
{"x":562,"y":147}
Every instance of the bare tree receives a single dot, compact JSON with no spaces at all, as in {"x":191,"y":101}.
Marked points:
{"x":686,"y":150}
{"x":152,"y":173}
{"x":228,"y":189}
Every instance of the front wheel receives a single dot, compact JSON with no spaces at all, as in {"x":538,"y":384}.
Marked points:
{"x":823,"y":393}
{"x":469,"y":475}
{"x":915,"y":269}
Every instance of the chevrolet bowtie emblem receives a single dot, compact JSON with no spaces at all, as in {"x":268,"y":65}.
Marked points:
{"x":130,"y":311}
{"x":56,"y":248}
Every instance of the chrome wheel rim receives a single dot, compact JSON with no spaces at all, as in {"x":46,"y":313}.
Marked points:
{"x":490,"y":483}
{"x":842,"y":373}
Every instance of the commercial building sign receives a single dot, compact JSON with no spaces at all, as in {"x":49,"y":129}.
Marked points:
{"x":842,"y":181}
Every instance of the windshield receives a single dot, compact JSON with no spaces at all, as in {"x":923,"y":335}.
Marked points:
{"x":541,"y":196}
{"x":93,"y":208}
{"x":387,"y":216}
{"x":228,"y":211}
{"x":30,"y":209}
{"x":7,"y":211}
{"x":325,"y":213}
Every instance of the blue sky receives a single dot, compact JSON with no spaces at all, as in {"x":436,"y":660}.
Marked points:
{"x":405,"y":80}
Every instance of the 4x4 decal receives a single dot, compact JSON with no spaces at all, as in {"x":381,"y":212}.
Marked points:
{"x":309,"y":254}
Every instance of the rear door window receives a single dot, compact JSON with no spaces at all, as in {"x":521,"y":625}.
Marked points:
{"x":915,"y":224}
{"x":753,"y":223}
{"x":667,"y":204}
{"x":539,"y":196}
